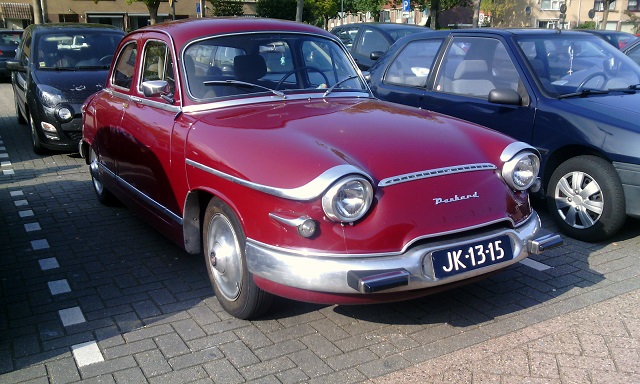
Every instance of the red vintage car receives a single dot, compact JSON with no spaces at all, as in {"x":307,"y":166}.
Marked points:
{"x":257,"y":143}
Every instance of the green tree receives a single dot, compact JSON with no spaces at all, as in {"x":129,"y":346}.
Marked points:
{"x":634,"y":19}
{"x":226,"y":8}
{"x":277,"y":9}
{"x":373,"y":6}
{"x":152,"y":6}
{"x":498,"y":9}
{"x":324,"y":9}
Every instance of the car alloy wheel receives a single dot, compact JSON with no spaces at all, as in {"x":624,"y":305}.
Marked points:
{"x":586,"y":199}
{"x":224,"y":247}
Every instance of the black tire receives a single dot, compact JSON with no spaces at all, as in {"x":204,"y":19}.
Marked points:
{"x":586,"y":199}
{"x":36,"y":143}
{"x":102,"y":193}
{"x":21,"y":119}
{"x":224,"y":254}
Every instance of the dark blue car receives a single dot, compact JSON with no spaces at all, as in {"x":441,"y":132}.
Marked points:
{"x":571,"y":94}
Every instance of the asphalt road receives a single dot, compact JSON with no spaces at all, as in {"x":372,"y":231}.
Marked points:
{"x":90,"y":293}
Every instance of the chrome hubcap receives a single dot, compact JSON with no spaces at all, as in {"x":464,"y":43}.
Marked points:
{"x":224,"y":257}
{"x":93,"y":168}
{"x":579,"y":200}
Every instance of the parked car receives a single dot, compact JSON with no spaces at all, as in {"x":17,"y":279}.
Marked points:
{"x":633,"y":51}
{"x":291,"y":178}
{"x":56,"y":68}
{"x":569,"y":94}
{"x":618,"y":39}
{"x":9,"y":40}
{"x":368,"y":41}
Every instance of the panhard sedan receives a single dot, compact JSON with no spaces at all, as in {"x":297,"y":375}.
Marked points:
{"x":570,"y":94}
{"x":258,"y":144}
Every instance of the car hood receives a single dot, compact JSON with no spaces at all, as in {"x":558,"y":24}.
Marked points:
{"x":289,"y":144}
{"x":618,"y":109}
{"x":75,"y":85}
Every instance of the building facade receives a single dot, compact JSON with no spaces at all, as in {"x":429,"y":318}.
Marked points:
{"x":19,"y":13}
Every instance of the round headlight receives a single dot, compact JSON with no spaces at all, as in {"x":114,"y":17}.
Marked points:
{"x":348,"y":199}
{"x":64,"y":113}
{"x":521,"y":171}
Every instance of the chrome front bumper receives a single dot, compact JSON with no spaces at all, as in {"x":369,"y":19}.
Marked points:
{"x":389,"y":272}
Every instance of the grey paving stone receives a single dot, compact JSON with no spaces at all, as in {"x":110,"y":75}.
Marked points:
{"x":63,"y":371}
{"x":223,"y":372}
{"x":153,"y":363}
{"x":178,"y":377}
{"x":270,"y":367}
{"x":238,"y":354}
{"x":195,"y":358}
{"x":171,"y":345}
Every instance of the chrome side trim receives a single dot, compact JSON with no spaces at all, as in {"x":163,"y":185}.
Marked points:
{"x":244,"y":100}
{"x":309,"y":191}
{"x":330,"y":274}
{"x":435,"y":172}
{"x":141,"y":195}
{"x":513,"y":149}
{"x":143,"y":101}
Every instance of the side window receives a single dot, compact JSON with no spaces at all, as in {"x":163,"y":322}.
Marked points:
{"x":473,"y":66}
{"x":125,"y":65}
{"x":25,"y":55}
{"x":371,"y":41}
{"x":347,"y":35}
{"x":157,"y":63}
{"x":634,"y":53}
{"x":413,"y":65}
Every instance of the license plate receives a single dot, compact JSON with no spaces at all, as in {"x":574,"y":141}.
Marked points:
{"x":452,"y":261}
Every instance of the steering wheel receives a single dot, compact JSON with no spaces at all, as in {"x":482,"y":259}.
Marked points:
{"x":106,"y":60}
{"x":591,"y":77}
{"x":308,"y":68}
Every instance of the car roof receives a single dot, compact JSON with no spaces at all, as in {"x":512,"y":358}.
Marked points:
{"x":60,"y":27}
{"x":385,"y":26}
{"x":505,"y":32}
{"x":184,"y":30}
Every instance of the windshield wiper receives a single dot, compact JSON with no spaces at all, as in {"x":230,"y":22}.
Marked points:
{"x":92,"y":67}
{"x":338,"y":83}
{"x":244,"y":84}
{"x":584,"y":93}
{"x":59,"y":68}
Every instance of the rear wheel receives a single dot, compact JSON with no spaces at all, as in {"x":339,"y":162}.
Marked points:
{"x":224,"y":255}
{"x":586,"y":199}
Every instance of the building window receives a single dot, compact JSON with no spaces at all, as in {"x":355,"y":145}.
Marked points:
{"x":598,"y":5}
{"x":551,"y":5}
{"x":633,"y":6}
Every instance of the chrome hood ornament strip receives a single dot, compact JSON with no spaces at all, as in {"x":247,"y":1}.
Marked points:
{"x":435,"y":172}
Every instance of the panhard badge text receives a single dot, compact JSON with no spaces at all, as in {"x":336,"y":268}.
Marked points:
{"x":455,"y":198}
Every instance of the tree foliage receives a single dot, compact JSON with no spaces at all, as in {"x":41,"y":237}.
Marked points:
{"x":498,"y":9}
{"x":152,"y":7}
{"x":635,"y":20}
{"x":226,"y":8}
{"x":277,"y":9}
{"x":323,"y":10}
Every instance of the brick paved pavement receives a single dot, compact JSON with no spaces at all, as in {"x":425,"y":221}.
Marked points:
{"x":92,"y":294}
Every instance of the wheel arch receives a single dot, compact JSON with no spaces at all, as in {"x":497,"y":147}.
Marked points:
{"x":195,"y":206}
{"x":563,"y":154}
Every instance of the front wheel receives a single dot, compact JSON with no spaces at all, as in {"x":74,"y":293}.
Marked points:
{"x":36,"y":142}
{"x":585,"y":198}
{"x":103,"y":194}
{"x":224,"y":255}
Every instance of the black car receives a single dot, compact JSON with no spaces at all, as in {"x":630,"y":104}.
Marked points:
{"x":368,"y":41}
{"x":9,"y":40}
{"x":57,"y":66}
{"x":633,"y":51}
{"x":570,"y":94}
{"x":618,"y":39}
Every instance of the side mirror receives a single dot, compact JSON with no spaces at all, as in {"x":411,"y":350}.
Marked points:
{"x":155,"y":88}
{"x":505,"y":96}
{"x":375,"y":55}
{"x":15,"y":65}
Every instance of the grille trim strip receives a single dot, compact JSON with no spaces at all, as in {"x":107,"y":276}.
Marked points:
{"x":435,"y":172}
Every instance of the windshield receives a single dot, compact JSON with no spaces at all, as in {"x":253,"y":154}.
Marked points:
{"x":81,"y":50}
{"x":568,"y":64}
{"x":266,"y":62}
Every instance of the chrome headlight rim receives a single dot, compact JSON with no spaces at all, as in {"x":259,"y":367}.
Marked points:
{"x":331,"y":199}
{"x":513,"y":168}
